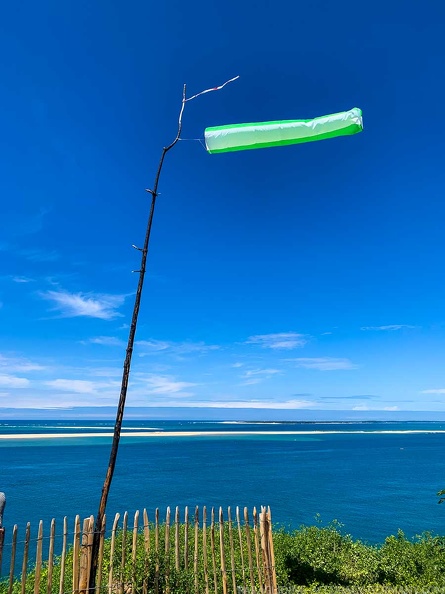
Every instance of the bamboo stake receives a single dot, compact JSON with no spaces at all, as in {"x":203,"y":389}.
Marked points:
{"x":2,"y":542}
{"x":177,"y":538}
{"x":272,"y":553}
{"x":167,"y":551}
{"x":90,"y":537}
{"x":204,"y":547}
{"x":232,"y":550}
{"x":52,"y":534}
{"x":222,"y":552}
{"x":146,"y":550}
{"x":134,"y":550}
{"x":238,"y":521}
{"x":83,"y":574}
{"x":146,"y":533}
{"x":212,"y":544}
{"x":157,"y":550}
{"x":101,"y":552}
{"x":63,"y":555}
{"x":38,"y":566}
{"x":186,"y":538}
{"x":13,"y":553}
{"x":76,"y":555}
{"x":266,"y":551}
{"x":25,"y":557}
{"x":249,"y":550}
{"x":258,"y":554}
{"x":195,"y":557}
{"x":112,"y":546}
{"x":124,"y":552}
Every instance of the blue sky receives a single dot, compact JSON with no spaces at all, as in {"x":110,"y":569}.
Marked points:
{"x":296,"y":278}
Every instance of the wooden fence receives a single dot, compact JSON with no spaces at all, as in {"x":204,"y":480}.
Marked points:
{"x":206,"y":553}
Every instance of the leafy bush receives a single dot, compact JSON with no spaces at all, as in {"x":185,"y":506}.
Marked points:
{"x":311,"y":559}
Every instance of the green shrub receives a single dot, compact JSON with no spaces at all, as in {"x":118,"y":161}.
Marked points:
{"x":311,"y":559}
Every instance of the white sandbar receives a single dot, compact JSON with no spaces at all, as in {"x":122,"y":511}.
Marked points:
{"x":205,"y":433}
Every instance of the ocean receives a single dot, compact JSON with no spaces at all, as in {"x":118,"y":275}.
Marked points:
{"x":373,"y":477}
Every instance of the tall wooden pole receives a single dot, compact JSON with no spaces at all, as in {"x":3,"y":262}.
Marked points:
{"x":127,"y":363}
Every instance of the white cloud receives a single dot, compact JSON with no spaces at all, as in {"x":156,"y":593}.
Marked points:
{"x":105,"y":341}
{"x":237,"y":365}
{"x":22,"y":279}
{"x":72,"y":305}
{"x":12,"y":381}
{"x":185,"y":348}
{"x":389,"y":327}
{"x":18,"y":364}
{"x":364,"y":407}
{"x":178,"y":348}
{"x":72,"y":385}
{"x":323,"y":363}
{"x":286,"y":405}
{"x":261,"y":372}
{"x":256,"y":376}
{"x":153,"y":345}
{"x":105,"y":371}
{"x":162,"y":384}
{"x":434,"y":391}
{"x":281,"y":340}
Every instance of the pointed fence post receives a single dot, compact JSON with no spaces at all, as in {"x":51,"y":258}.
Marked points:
{"x":2,"y":541}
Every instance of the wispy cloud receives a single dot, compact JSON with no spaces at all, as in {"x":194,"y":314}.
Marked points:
{"x":12,"y":381}
{"x":364,"y":407}
{"x":22,"y":279}
{"x":17,"y":364}
{"x":105,"y":371}
{"x":390,"y":327}
{"x":153,"y":345}
{"x":355,"y":397}
{"x":72,"y":385}
{"x":105,"y":341}
{"x":281,"y":340}
{"x":323,"y":363}
{"x":162,"y":384}
{"x":434,"y":391}
{"x":256,"y":376}
{"x":283,"y":405}
{"x":237,"y":365}
{"x":72,"y":305}
{"x":178,"y":348}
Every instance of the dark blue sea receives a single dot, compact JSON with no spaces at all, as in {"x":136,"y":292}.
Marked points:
{"x":373,"y":477}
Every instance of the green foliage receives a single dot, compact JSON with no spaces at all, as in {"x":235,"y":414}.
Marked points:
{"x":418,"y":562}
{"x":323,"y":555}
{"x":320,"y":559}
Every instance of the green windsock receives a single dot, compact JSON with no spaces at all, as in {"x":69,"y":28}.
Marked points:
{"x":239,"y":137}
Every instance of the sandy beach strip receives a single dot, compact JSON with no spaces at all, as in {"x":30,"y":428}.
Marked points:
{"x":207,"y":434}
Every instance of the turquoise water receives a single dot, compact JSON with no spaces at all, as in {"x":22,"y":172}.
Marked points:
{"x":373,"y":477}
